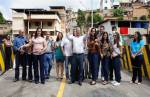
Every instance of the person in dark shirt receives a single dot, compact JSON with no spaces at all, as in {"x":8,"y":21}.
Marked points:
{"x":19,"y":41}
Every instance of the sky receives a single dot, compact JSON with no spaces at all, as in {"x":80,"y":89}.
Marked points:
{"x":6,"y":5}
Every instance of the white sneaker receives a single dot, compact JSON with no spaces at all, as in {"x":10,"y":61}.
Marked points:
{"x":116,"y":84}
{"x":112,"y":82}
{"x":138,"y":83}
{"x":102,"y":78}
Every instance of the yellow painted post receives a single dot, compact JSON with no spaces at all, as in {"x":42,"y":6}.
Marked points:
{"x":129,"y":59}
{"x":2,"y":64}
{"x":126,"y":67}
{"x":146,"y":62}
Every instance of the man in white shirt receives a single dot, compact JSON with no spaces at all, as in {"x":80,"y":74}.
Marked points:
{"x":78,"y":55}
{"x":66,"y":46}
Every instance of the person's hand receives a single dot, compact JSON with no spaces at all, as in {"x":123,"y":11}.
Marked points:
{"x":92,"y":42}
{"x":41,"y":51}
{"x":89,"y":30}
{"x":96,"y":43}
{"x":96,"y":40}
{"x":21,"y":50}
{"x":111,"y":56}
{"x":133,"y":55}
{"x":102,"y":56}
{"x":64,"y":54}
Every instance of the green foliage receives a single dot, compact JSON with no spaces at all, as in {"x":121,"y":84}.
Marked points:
{"x":120,"y":18}
{"x":118,"y":12}
{"x":2,"y":20}
{"x":135,"y":18}
{"x":143,"y":17}
{"x":96,"y":18}
{"x":81,"y":18}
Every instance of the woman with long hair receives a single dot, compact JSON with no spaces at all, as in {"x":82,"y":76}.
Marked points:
{"x":137,"y":56}
{"x":116,"y":55}
{"x":93,"y":54}
{"x":59,"y":56}
{"x":39,"y":47}
{"x":8,"y":50}
{"x":105,"y":52}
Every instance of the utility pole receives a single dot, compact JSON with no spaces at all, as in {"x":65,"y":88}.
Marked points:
{"x":92,"y":13}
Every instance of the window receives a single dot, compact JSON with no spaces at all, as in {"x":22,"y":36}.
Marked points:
{"x":52,"y":33}
{"x":105,"y":8}
{"x":37,"y":23}
{"x":49,"y":23}
{"x":113,"y":23}
{"x":123,"y":24}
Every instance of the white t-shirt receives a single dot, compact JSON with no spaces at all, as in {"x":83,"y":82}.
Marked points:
{"x":116,"y":50}
{"x":78,"y":43}
{"x":67,"y":45}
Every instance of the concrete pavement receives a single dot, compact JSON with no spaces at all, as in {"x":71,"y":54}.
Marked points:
{"x":54,"y":88}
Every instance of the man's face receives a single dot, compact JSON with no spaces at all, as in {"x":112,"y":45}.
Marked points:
{"x":101,"y":29}
{"x":78,"y":31}
{"x":47,"y":35}
{"x":21,"y":33}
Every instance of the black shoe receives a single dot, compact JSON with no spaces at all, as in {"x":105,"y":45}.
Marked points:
{"x":24,"y":79}
{"x":80,"y":84}
{"x":47,"y":77}
{"x":15,"y":80}
{"x":71,"y":82}
{"x":43,"y":82}
{"x":30,"y":80}
{"x":36,"y":82}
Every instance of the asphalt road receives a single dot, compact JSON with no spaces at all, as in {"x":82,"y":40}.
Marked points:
{"x":55,"y":88}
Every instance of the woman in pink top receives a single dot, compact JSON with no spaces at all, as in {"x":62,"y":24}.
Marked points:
{"x":39,"y":47}
{"x":8,"y":51}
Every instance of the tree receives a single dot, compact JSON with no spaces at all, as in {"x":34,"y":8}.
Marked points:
{"x":2,"y":20}
{"x":96,"y":19}
{"x":81,"y":18}
{"x":118,"y":12}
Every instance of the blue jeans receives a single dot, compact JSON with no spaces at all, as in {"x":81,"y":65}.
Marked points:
{"x":98,"y":68}
{"x":47,"y":63}
{"x":94,"y":61}
{"x":77,"y":63}
{"x":68,"y":60}
{"x":105,"y":67}
{"x":36,"y":59}
{"x":117,"y":68}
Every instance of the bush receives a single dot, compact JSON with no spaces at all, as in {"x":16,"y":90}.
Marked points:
{"x":143,"y":17}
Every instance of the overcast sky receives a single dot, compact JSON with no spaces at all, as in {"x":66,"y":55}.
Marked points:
{"x":6,"y":5}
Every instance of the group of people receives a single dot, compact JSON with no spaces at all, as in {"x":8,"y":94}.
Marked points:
{"x":80,"y":55}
